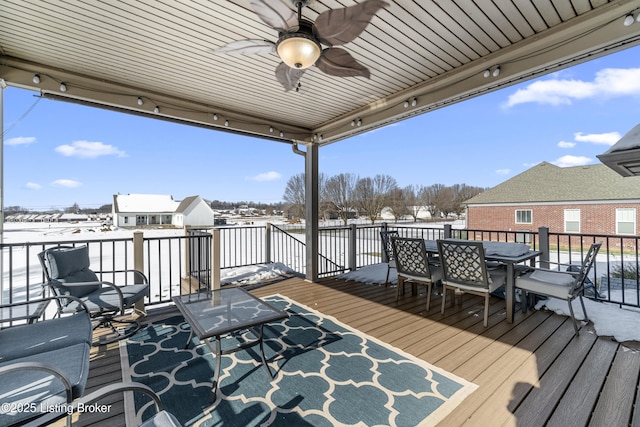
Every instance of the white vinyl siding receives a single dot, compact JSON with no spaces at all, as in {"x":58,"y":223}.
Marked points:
{"x":524,"y":216}
{"x":572,"y":220}
{"x":625,"y":221}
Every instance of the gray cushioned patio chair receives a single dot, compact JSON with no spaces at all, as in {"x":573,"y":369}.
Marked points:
{"x":159,"y":417}
{"x":43,"y":364}
{"x":465,"y":271}
{"x":386,"y":237}
{"x":412,"y":263}
{"x":566,"y":285}
{"x":67,"y":272}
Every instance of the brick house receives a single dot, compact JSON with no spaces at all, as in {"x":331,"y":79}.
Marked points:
{"x":589,"y":199}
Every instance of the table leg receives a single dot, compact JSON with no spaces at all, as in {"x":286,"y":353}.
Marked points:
{"x":264,"y":359}
{"x":509,"y":292}
{"x":218,"y":354}
{"x":186,"y":346}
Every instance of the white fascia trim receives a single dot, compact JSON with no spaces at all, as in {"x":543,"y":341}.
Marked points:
{"x":531,"y":204}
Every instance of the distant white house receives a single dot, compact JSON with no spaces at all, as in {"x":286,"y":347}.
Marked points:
{"x":136,"y":210}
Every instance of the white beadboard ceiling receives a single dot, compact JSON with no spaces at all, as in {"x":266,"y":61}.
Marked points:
{"x":110,"y":52}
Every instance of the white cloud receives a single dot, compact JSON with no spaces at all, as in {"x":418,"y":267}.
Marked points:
{"x":267,"y":176}
{"x":598,"y":138}
{"x":20,"y":140}
{"x":68,"y":183}
{"x":90,"y":150}
{"x":569,"y":160}
{"x":609,"y":82}
{"x":503,"y":171}
{"x":566,"y":144}
{"x":33,"y":186}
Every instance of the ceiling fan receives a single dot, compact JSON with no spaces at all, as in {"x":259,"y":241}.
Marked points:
{"x":300,"y":41}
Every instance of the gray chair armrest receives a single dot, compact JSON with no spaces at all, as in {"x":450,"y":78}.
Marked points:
{"x":20,"y":366}
{"x":136,"y":273}
{"x":100,"y":394}
{"x":36,"y":302}
{"x":119,"y":388}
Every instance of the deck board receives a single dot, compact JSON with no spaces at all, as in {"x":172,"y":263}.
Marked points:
{"x":585,"y":387}
{"x":520,"y":368}
{"x":615,"y":404}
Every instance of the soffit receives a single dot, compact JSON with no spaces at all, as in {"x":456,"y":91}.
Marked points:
{"x":109,"y":53}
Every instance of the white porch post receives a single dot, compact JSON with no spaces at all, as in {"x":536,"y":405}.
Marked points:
{"x":311,"y":210}
{"x":215,"y":259}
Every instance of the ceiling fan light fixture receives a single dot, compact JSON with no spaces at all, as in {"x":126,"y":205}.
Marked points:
{"x":299,"y":49}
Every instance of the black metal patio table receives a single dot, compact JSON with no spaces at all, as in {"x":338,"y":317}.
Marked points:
{"x":214,"y":313}
{"x":508,"y":253}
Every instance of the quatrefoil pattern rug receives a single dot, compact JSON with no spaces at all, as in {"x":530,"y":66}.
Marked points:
{"x":326,"y":374}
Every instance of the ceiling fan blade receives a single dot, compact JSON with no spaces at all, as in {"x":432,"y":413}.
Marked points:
{"x":248,"y":47}
{"x":288,"y":77}
{"x":276,"y":14}
{"x":338,"y":62}
{"x":339,"y":26}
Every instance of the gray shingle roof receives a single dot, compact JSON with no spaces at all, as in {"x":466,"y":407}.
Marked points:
{"x":549,"y":183}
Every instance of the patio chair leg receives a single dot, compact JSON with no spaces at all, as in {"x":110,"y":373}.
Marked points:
{"x":584,"y":309}
{"x":444,"y":297}
{"x":399,"y":288}
{"x":486,"y":310}
{"x":386,"y":281}
{"x":428,"y":296}
{"x":573,"y":318}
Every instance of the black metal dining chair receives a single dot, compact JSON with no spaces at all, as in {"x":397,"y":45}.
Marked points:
{"x":412,"y":263}
{"x":465,"y":270}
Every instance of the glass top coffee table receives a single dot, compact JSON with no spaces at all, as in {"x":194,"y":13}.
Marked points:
{"x":211,"y":314}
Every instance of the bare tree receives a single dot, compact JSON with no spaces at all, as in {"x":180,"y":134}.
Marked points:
{"x":445,"y":201}
{"x":428,"y":197}
{"x":339,"y":190}
{"x":462,"y":193}
{"x":75,"y":208}
{"x":411,"y":201}
{"x":397,"y":202}
{"x":294,"y":193}
{"x":372,"y":194}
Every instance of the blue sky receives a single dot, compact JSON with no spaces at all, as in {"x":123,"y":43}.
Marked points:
{"x":58,"y":154}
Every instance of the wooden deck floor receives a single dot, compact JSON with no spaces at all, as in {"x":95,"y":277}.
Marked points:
{"x":533,"y":372}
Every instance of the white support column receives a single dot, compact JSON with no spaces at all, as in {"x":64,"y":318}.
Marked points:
{"x":311,"y":210}
{"x":3,"y":85}
{"x":138,"y":264}
{"x":215,"y":258}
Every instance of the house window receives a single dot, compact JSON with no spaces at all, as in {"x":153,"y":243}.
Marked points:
{"x":523,"y":216}
{"x":572,"y":220}
{"x":626,"y":221}
{"x":126,"y":220}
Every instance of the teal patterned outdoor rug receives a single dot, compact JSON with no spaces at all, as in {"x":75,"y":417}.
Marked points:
{"x":326,"y":374}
